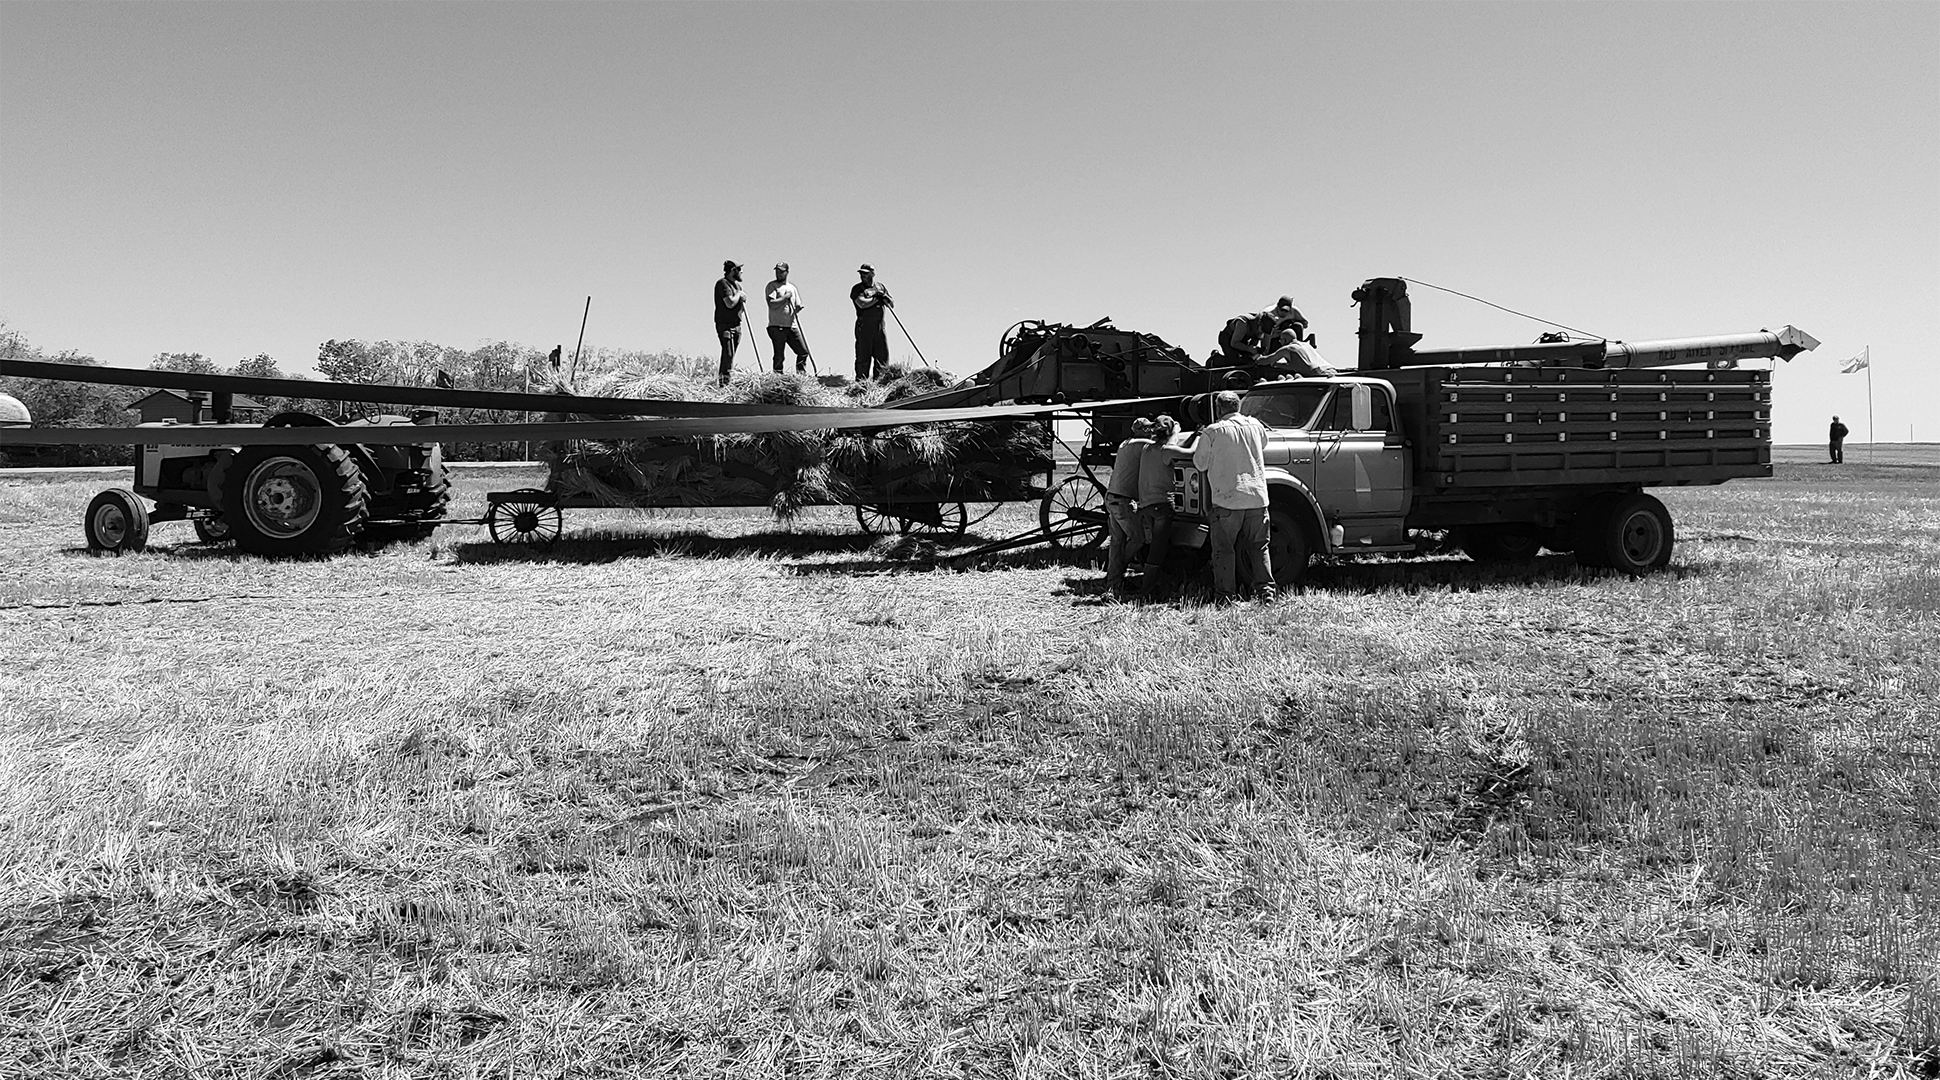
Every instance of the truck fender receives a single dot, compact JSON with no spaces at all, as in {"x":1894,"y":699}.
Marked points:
{"x":1284,"y":487}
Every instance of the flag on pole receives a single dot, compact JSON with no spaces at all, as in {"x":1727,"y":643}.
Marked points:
{"x":1858,"y":363}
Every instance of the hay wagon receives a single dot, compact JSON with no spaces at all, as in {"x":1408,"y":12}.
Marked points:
{"x":894,"y":483}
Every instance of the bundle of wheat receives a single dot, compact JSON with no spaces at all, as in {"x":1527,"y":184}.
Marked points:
{"x":790,"y":470}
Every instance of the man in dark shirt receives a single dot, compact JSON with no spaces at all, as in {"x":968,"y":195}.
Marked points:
{"x":871,"y":341}
{"x":1245,"y":337}
{"x":1836,"y":441}
{"x":729,"y":300}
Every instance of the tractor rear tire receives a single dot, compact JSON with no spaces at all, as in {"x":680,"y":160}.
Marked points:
{"x":1288,"y":547}
{"x":291,"y":500}
{"x":116,"y":521}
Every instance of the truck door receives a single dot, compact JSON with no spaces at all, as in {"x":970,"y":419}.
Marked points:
{"x":1360,"y":469}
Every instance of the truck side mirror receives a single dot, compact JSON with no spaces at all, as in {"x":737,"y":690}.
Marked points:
{"x":1363,"y":406}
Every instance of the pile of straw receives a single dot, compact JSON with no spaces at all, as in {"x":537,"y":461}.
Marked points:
{"x":787,"y":471}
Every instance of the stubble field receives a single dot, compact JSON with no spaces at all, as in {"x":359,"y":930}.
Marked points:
{"x":693,"y":795}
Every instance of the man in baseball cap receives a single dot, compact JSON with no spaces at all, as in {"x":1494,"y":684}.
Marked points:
{"x":871,"y":340}
{"x":729,"y":301}
{"x":784,"y":331}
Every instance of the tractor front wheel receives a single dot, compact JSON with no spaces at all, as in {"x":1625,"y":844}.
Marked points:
{"x":116,"y":521}
{"x":212,"y":529}
{"x":291,"y":500}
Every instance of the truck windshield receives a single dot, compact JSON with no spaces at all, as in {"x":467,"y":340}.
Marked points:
{"x":1283,"y":407}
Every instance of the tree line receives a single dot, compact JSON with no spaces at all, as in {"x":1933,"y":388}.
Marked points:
{"x":499,"y":365}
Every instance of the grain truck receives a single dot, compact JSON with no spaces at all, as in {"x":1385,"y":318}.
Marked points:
{"x":1507,"y":450}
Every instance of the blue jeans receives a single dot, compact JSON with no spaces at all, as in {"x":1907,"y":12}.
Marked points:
{"x":1241,"y":534}
{"x":1122,"y":530}
{"x":730,"y":344}
{"x":791,"y":337}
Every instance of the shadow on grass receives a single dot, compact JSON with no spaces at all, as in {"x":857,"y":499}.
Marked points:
{"x":1189,"y":585}
{"x":600,"y":547}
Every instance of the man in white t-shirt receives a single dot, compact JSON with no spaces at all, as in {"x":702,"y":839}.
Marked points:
{"x":784,"y":302}
{"x":1232,"y":451}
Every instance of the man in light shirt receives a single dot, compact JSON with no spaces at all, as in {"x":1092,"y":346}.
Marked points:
{"x":783,"y":304}
{"x":1121,"y":503}
{"x":1232,"y":453}
{"x":1301,"y":358}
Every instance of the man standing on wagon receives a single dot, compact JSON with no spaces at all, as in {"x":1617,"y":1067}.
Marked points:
{"x":729,"y":302}
{"x":784,"y":303}
{"x":871,"y":341}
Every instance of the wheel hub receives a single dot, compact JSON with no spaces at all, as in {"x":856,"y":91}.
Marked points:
{"x":526,"y":521}
{"x":1641,"y":538}
{"x":285,"y":497}
{"x":111,"y":525}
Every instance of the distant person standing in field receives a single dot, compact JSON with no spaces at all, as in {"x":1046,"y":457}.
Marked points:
{"x":784,"y":303}
{"x":1232,"y":451}
{"x":1121,"y":503}
{"x":1155,"y":500}
{"x":729,"y":301}
{"x":871,"y":342}
{"x":1836,"y":441}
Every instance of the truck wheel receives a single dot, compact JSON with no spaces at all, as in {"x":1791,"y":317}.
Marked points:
{"x":1637,"y":534}
{"x":291,"y":500}
{"x":1287,"y":547}
{"x":116,"y":521}
{"x":1500,"y":543}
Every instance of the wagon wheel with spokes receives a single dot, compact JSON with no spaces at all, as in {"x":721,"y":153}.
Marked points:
{"x":529,"y":521}
{"x":1077,"y":500}
{"x":878,"y":521}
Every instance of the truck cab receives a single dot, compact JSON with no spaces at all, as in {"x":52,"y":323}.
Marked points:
{"x":1339,"y":467}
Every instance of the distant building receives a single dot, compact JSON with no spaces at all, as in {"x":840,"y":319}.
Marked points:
{"x":13,"y":413}
{"x":175,"y":405}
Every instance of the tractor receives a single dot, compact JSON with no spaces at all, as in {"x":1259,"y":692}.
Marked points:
{"x":278,"y":500}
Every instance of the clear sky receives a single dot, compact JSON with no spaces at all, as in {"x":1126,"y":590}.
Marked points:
{"x":239,"y":178}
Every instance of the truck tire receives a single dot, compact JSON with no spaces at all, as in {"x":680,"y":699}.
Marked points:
{"x":1637,"y":534}
{"x":1507,"y":542}
{"x":291,"y":500}
{"x":1287,"y":546}
{"x":116,"y":521}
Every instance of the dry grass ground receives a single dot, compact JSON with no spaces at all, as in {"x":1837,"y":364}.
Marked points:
{"x":692,"y":796}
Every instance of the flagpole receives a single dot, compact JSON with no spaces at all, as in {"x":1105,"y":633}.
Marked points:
{"x":1872,"y":444}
